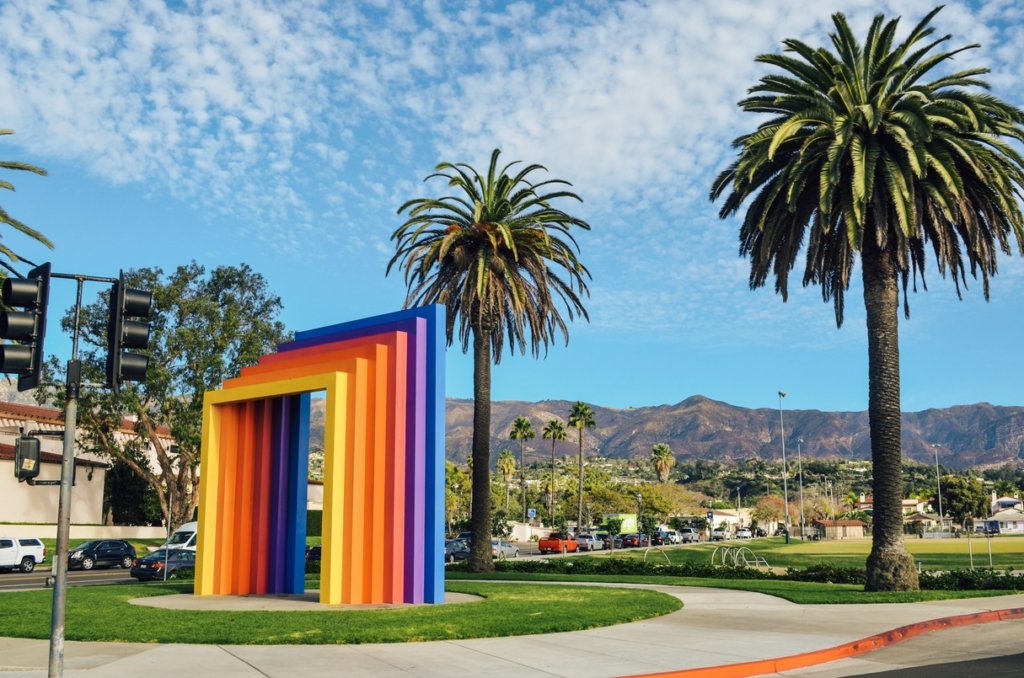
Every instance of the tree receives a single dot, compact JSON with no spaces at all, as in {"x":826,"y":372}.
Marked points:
{"x":522,"y":430}
{"x":768,"y":509}
{"x":5,"y":217}
{"x":506,"y":466}
{"x":663,"y":460}
{"x":866,"y":158}
{"x":963,"y":499}
{"x":503,"y":261}
{"x":614,"y":527}
{"x":582,"y":417}
{"x":205,"y":329}
{"x":456,"y":495}
{"x":554,"y":431}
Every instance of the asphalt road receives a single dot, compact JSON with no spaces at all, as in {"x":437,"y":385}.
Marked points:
{"x":18,"y":581}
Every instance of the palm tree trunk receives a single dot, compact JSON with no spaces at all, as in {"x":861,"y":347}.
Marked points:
{"x":889,"y":566}
{"x":508,"y":486}
{"x":551,"y":486}
{"x":522,"y":453}
{"x":480,"y":523}
{"x":579,"y":510}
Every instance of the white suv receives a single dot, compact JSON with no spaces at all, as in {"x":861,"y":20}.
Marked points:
{"x":21,"y":553}
{"x":688,"y":534}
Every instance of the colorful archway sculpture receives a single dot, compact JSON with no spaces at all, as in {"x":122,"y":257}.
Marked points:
{"x":383,"y":465}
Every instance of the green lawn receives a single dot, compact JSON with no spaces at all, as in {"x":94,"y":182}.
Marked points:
{"x":804,"y":593}
{"x":102,"y":613}
{"x":934,"y":554}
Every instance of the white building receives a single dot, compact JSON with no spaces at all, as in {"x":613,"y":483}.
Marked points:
{"x":24,"y":503}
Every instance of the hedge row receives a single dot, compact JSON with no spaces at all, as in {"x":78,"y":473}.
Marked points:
{"x":955,"y":580}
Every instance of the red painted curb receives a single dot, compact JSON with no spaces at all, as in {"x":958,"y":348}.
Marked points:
{"x":843,"y":651}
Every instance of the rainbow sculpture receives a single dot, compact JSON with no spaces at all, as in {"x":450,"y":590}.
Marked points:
{"x":383,"y":379}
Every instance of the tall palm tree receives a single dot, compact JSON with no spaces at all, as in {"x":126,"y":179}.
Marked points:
{"x":522,"y":430}
{"x":582,"y":417}
{"x":663,"y":460}
{"x":6,"y":218}
{"x":504,"y":262}
{"x":554,"y":431}
{"x":865,"y":158}
{"x":506,"y":466}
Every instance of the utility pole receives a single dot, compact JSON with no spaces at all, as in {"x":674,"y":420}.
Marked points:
{"x":785,"y":470}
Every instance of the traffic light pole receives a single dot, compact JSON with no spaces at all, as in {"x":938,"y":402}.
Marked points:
{"x":60,"y":558}
{"x":67,"y":474}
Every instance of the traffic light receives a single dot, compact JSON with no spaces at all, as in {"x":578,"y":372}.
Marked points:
{"x":26,"y":458}
{"x":124,"y":333}
{"x":23,"y":321}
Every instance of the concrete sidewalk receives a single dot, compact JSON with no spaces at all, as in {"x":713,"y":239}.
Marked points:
{"x":715,"y":627}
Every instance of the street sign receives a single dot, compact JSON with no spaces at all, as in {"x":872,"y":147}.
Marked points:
{"x":531,"y":513}
{"x":711,"y":516}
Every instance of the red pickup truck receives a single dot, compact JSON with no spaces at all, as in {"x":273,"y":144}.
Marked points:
{"x":556,"y":542}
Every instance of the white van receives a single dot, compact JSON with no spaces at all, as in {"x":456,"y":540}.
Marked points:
{"x":183,"y":538}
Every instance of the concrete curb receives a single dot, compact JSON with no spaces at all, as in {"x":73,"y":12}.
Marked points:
{"x":851,"y":649}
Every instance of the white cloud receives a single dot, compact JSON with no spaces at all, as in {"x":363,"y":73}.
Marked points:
{"x":303,"y":119}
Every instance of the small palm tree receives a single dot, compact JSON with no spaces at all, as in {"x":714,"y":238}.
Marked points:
{"x":6,"y":218}
{"x":864,"y":158}
{"x":663,"y":460}
{"x":554,"y":431}
{"x":503,"y":261}
{"x":506,"y":466}
{"x":522,"y":430}
{"x":582,"y":417}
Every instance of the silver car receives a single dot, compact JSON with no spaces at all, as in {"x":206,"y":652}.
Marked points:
{"x":502,"y":549}
{"x":590,"y":542}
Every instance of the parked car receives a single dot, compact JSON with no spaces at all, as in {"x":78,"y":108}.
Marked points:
{"x":502,"y":549}
{"x":313,"y":553}
{"x":21,"y":553}
{"x":590,"y":542}
{"x":455,"y":550}
{"x":557,"y":542}
{"x":760,"y":532}
{"x":672,"y":537}
{"x":658,"y":539}
{"x":719,"y":535}
{"x":634,"y":540}
{"x":182,"y":538}
{"x":689,"y":534}
{"x":101,"y":553}
{"x":165,"y":564}
{"x":743,"y":533}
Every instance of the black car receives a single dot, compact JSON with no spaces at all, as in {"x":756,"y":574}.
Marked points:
{"x":158,"y":565}
{"x":455,"y":550}
{"x":101,"y":553}
{"x":313,"y":553}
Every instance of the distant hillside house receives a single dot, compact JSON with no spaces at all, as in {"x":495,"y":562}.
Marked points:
{"x":1000,"y":503}
{"x":840,"y":529}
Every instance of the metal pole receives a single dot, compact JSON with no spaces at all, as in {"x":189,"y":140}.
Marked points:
{"x":170,"y":512}
{"x":800,"y":467}
{"x":785,"y":470}
{"x":938,"y":485}
{"x":67,"y":474}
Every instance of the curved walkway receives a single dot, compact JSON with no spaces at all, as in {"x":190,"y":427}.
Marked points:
{"x":716,"y":627}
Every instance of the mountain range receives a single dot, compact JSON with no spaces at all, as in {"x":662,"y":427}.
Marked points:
{"x":964,"y":436}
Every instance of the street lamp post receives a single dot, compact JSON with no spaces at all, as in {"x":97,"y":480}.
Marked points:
{"x":639,"y":512}
{"x":785,"y":470}
{"x":800,"y":470}
{"x":938,"y":486}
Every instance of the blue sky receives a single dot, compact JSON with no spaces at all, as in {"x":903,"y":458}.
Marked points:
{"x":286,"y":134}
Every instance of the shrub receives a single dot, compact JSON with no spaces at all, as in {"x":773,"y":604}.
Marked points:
{"x":971,"y":580}
{"x":828,"y":574}
{"x":314,"y":523}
